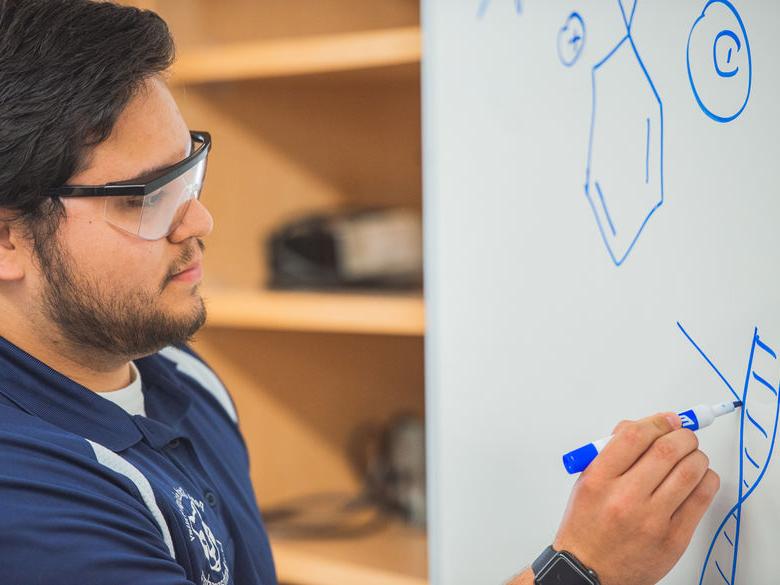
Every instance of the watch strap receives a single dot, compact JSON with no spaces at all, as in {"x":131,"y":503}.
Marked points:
{"x":543,"y":560}
{"x":549,"y":554}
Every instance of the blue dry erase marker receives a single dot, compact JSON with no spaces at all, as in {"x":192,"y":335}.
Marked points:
{"x":696,"y":418}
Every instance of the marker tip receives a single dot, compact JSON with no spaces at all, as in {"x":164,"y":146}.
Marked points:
{"x":737,"y":403}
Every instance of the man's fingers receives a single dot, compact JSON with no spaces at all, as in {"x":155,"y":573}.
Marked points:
{"x":689,"y":514}
{"x":653,"y":467}
{"x":681,"y":481}
{"x":630,"y":442}
{"x":622,"y":425}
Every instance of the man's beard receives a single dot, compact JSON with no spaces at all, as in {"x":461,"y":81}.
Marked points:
{"x":121,"y":323}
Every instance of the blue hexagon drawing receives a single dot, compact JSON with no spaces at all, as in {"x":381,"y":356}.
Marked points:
{"x":624,"y":177}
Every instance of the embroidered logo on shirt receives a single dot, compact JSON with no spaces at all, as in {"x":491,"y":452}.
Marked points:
{"x":192,"y":510}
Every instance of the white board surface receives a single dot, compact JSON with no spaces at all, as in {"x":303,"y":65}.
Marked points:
{"x":602,"y":243}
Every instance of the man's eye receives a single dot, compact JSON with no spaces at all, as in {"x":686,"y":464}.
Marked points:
{"x":134,"y":202}
{"x":146,"y":201}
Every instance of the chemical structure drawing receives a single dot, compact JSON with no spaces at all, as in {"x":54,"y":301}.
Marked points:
{"x":571,"y":39}
{"x":757,"y":434}
{"x":720,"y":66}
{"x":485,"y":4}
{"x":624,"y":181}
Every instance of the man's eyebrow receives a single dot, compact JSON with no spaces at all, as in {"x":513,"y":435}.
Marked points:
{"x":147,"y":172}
{"x":157,"y":169}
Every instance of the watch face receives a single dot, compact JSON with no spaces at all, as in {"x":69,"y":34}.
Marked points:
{"x":561,"y":571}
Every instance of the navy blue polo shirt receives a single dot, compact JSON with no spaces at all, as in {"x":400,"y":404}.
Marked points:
{"x":90,"y":495}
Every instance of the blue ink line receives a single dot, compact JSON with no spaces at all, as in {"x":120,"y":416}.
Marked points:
{"x":606,"y":211}
{"x":709,"y":361}
{"x":753,"y":461}
{"x":768,"y":458}
{"x":736,"y":509}
{"x":612,"y":52}
{"x":574,"y":27}
{"x":730,"y":34}
{"x":741,"y":497}
{"x":760,"y":380}
{"x":720,"y":530}
{"x":745,"y":488}
{"x":704,"y":108}
{"x":619,"y":261}
{"x":483,"y":6}
{"x":617,"y":256}
{"x":769,"y":455}
{"x":623,"y":13}
{"x":766,"y":348}
{"x":721,"y":573}
{"x":660,"y":108}
{"x":647,"y":154}
{"x":633,"y":11}
{"x":755,"y":423}
{"x":626,"y":19}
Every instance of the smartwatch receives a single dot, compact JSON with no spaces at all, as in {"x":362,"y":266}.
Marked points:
{"x":561,"y":568}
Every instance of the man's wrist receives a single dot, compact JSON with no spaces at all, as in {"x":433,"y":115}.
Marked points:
{"x":524,"y":578}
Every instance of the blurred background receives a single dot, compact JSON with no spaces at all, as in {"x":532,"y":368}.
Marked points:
{"x":313,"y":272}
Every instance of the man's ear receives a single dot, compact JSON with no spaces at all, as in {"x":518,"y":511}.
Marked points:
{"x":12,"y":254}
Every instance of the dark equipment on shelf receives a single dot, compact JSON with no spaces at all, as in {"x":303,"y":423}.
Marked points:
{"x":367,"y":248}
{"x":391,"y":461}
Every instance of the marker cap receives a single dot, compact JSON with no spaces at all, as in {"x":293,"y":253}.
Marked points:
{"x":577,"y":460}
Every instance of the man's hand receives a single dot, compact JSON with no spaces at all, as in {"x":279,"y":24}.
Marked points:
{"x":632,"y":512}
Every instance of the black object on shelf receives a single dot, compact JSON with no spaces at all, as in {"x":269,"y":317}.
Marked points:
{"x":378,"y":248}
{"x":390,"y":459}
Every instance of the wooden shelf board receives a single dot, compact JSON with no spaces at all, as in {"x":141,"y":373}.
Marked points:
{"x":380,"y":314}
{"x":395,"y":556}
{"x":299,"y":56}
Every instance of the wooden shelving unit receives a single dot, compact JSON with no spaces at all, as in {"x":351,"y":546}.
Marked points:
{"x":311,"y":106}
{"x":395,"y":556}
{"x":317,"y":312}
{"x":299,"y":56}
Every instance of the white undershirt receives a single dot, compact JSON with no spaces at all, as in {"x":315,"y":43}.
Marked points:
{"x":130,"y":398}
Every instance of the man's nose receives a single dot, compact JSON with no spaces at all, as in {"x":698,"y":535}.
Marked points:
{"x":197,"y":222}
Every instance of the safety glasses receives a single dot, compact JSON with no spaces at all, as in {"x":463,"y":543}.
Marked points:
{"x":154,"y":205}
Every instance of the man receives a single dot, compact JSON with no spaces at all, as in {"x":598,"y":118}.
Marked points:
{"x":121,"y":460}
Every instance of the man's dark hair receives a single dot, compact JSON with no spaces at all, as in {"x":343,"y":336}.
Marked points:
{"x":68,"y":68}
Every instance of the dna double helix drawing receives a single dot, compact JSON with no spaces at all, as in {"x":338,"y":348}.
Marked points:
{"x":757,"y":434}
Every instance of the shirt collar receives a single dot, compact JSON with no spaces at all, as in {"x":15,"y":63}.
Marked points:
{"x":131,"y":397}
{"x":43,"y":392}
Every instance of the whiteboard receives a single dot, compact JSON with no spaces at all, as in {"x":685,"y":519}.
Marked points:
{"x":601,"y":219}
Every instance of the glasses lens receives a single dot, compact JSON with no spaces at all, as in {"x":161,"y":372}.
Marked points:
{"x":157,"y":214}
